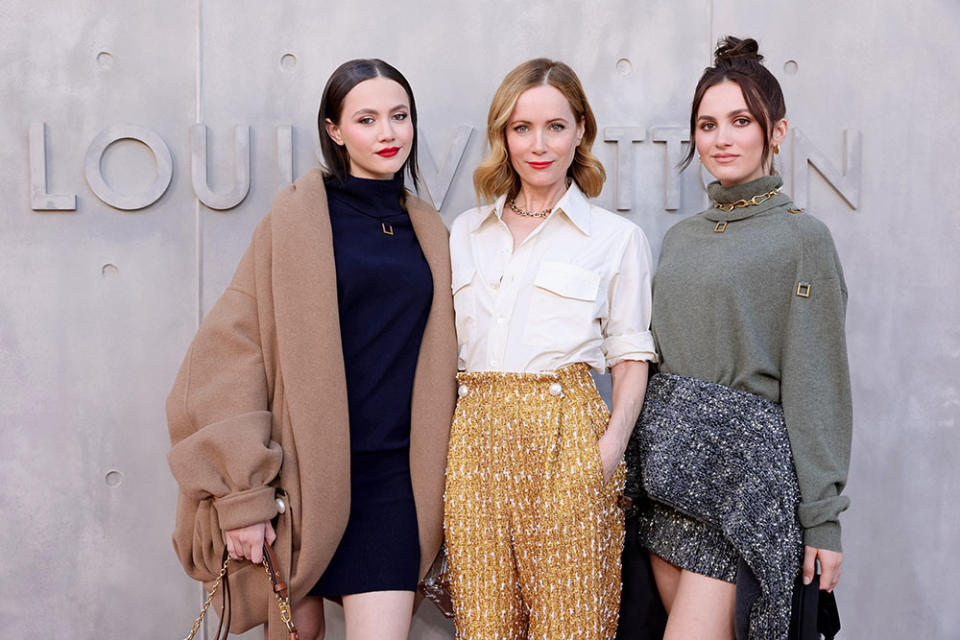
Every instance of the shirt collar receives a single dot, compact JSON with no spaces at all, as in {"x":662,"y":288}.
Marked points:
{"x":573,"y":205}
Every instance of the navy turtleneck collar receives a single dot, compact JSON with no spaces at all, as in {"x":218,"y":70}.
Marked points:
{"x":375,"y":198}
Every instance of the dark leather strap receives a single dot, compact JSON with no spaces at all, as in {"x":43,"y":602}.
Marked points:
{"x":228,"y":606}
{"x":225,"y":609}
{"x":279,"y":586}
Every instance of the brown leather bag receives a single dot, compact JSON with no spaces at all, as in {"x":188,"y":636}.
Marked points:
{"x":271,"y":566}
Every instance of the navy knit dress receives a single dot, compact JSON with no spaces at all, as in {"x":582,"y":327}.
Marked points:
{"x":384,"y":290}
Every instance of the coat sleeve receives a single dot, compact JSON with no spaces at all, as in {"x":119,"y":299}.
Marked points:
{"x":218,"y":412}
{"x":815,"y":386}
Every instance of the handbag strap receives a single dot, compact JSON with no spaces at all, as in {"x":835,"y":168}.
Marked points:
{"x":221,"y":577}
{"x":280,"y":592}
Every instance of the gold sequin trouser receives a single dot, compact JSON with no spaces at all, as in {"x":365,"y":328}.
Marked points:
{"x":533,"y":534}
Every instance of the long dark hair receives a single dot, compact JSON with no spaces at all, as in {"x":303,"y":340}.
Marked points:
{"x":740,"y":61}
{"x":346,"y":77}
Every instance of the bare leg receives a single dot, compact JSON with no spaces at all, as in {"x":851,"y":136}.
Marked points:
{"x":308,"y":616}
{"x":702,"y":609}
{"x":667,"y":578}
{"x":378,"y":615}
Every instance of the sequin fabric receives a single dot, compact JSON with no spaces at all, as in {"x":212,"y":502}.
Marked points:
{"x":533,"y":533}
{"x":722,"y":457}
{"x":686,"y":542}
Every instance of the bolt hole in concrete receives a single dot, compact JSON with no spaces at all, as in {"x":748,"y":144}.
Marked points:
{"x":113,"y":478}
{"x":109,"y":271}
{"x":288,"y":61}
{"x":105,"y":60}
{"x":790,"y":67}
{"x":624,"y":66}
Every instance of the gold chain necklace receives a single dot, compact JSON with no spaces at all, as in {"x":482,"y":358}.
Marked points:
{"x":530,"y":214}
{"x":730,"y":206}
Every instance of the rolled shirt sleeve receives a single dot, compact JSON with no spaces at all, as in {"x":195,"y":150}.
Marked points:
{"x":626,"y":329}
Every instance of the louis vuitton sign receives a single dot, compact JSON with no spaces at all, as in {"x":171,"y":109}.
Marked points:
{"x":438,"y":176}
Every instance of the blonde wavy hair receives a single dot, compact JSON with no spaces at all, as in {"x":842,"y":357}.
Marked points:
{"x":496,"y":176}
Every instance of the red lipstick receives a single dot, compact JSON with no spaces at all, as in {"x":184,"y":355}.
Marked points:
{"x":389,"y":152}
{"x":540,"y":165}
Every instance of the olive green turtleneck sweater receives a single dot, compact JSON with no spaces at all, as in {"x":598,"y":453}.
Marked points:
{"x":726,"y":309}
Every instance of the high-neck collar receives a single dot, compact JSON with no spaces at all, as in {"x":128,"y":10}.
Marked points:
{"x":745,"y":191}
{"x":376,"y":198}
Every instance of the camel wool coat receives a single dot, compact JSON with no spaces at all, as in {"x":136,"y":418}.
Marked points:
{"x":258,"y":412}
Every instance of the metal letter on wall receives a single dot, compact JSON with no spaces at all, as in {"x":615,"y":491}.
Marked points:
{"x":674,"y":137}
{"x":624,"y":137}
{"x":241,"y":168}
{"x":99,"y":186}
{"x":847,"y":182}
{"x":40,"y":200}
{"x":438,"y":179}
{"x":284,"y":156}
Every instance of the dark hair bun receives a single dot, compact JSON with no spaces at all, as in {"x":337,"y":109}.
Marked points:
{"x":731,"y":48}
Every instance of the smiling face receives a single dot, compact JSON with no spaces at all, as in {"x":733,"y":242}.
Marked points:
{"x":542,"y":137}
{"x":375,"y":128}
{"x":728,"y":137}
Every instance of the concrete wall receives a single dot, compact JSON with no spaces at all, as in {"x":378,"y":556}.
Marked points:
{"x":98,"y":302}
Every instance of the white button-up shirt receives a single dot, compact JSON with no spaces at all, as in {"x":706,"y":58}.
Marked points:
{"x":577,"y":289}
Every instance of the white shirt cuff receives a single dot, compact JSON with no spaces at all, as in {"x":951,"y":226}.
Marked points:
{"x":632,"y":346}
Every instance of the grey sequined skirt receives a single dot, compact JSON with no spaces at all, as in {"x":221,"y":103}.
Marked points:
{"x":686,"y":542}
{"x":717,"y":464}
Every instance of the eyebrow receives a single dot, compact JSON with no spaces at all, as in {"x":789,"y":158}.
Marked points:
{"x":729,"y":115}
{"x":367,"y":110}
{"x":522,"y":121}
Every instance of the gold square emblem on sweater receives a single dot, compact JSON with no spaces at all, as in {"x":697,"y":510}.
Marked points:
{"x":721,"y":227}
{"x":803,"y":289}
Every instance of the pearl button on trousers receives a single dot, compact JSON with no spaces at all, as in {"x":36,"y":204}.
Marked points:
{"x":533,"y":533}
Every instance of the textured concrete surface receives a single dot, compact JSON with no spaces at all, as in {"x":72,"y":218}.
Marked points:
{"x":98,"y":302}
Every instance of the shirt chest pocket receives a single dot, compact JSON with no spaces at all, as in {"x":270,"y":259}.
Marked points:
{"x":465,"y":303}
{"x":562,"y":310}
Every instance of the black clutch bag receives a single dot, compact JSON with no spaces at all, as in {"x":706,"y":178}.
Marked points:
{"x":814,"y":612}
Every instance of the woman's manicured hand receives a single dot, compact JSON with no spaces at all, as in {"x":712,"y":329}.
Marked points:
{"x":247,"y":542}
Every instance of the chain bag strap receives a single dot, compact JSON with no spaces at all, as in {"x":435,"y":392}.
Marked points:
{"x":280,"y":592}
{"x":271,"y":566}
